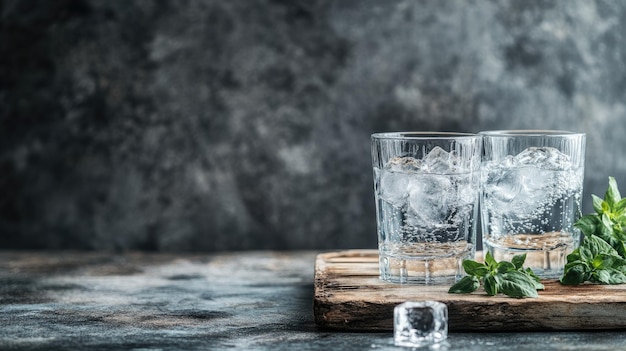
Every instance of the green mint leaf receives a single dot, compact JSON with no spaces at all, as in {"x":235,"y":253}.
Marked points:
{"x":598,"y":246}
{"x":619,"y":263}
{"x":518,"y":260}
{"x":537,"y":285}
{"x":617,"y":277}
{"x":597,"y":204}
{"x":535,"y":277}
{"x":620,"y":208}
{"x":491,"y":285}
{"x":621,"y":220}
{"x":612,"y":195}
{"x":504,"y":266}
{"x":575,"y":255}
{"x":571,"y":264}
{"x":605,"y":229}
{"x":466,"y":285}
{"x":575,"y":275}
{"x":604,"y":261}
{"x":475,"y":268}
{"x":606,"y":221}
{"x":518,"y":281}
{"x":585,"y":253}
{"x":601,"y":276}
{"x":601,"y":257}
{"x":620,"y":247}
{"x":489,"y":260}
{"x":606,"y":232}
{"x":587,"y":224}
{"x":517,"y":284}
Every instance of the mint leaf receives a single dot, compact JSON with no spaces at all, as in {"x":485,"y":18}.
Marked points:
{"x":620,"y":208}
{"x":518,"y":260}
{"x":620,"y":247}
{"x":617,"y":277}
{"x":579,"y":262}
{"x":466,"y":285}
{"x":598,"y":246}
{"x":601,"y":276}
{"x":509,"y":278}
{"x":612,"y":195}
{"x":533,"y":278}
{"x":574,"y":256}
{"x":475,"y":268}
{"x":576,"y":274}
{"x":489,"y":260}
{"x":605,"y":229}
{"x":490,"y":283}
{"x":587,"y":224}
{"x":595,"y":261}
{"x":517,"y":284}
{"x":597,"y":204}
{"x":503,"y":267}
{"x":585,"y":253}
{"x":601,"y":257}
{"x":604,"y":261}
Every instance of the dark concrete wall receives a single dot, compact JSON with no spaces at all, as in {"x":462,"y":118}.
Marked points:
{"x":211,"y":125}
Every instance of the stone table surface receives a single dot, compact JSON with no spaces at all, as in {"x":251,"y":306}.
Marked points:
{"x":240,"y":300}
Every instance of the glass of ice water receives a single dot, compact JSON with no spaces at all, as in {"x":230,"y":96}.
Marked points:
{"x":426,"y":186}
{"x":532,"y":184}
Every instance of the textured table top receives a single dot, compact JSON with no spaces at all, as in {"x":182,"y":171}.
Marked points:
{"x":244,"y":300}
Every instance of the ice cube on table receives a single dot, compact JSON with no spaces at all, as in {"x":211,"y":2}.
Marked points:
{"x":421,"y":323}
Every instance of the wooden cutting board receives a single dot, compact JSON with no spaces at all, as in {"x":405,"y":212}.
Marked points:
{"x":350,"y":296}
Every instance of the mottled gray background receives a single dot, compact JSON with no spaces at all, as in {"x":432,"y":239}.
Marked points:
{"x":212,"y":125}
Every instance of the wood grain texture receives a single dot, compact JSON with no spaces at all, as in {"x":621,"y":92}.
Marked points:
{"x":350,"y":296}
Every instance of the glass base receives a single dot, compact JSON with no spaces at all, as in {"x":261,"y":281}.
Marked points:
{"x":431,"y":271}
{"x":547,"y":263}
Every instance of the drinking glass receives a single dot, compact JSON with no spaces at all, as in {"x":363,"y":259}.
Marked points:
{"x":426,"y":187}
{"x":532,"y":184}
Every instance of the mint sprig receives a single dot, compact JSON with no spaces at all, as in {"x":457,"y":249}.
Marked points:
{"x":601,"y":257}
{"x":509,"y":278}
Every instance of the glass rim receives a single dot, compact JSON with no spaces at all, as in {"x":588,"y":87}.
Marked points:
{"x":530,"y":133}
{"x":424,"y":135}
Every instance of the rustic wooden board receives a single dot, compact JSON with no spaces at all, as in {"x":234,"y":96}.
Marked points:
{"x":350,"y":296}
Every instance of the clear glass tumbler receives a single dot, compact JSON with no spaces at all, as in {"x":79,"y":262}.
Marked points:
{"x":426,"y":186}
{"x":532,"y":183}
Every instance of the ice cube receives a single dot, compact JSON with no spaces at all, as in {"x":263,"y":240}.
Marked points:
{"x":520,"y":191}
{"x":428,"y":198}
{"x":508,"y":161}
{"x":394,"y":187}
{"x":531,"y":156}
{"x":525,"y":183}
{"x":395,"y":177}
{"x":440,"y":161}
{"x":537,"y":189}
{"x":422,"y":323}
{"x":466,"y":186}
{"x":544,"y":158}
{"x":404,"y":164}
{"x":503,"y":185}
